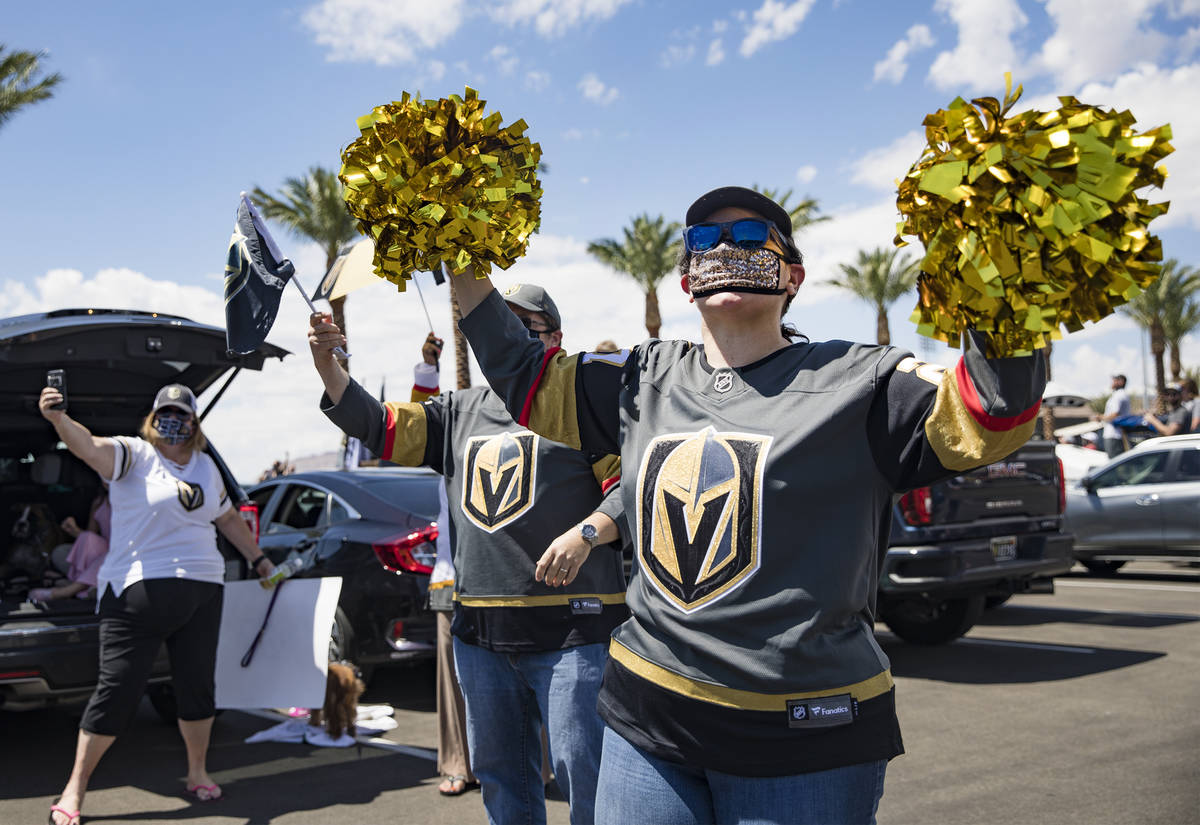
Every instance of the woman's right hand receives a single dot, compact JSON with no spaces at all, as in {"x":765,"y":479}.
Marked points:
{"x":323,"y":337}
{"x":49,"y":398}
{"x":71,"y":527}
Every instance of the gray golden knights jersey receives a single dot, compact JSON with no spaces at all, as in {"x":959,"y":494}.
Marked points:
{"x":511,"y":492}
{"x":759,"y":499}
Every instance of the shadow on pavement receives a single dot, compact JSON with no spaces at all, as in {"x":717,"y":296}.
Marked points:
{"x":1025,"y":615}
{"x":987,"y":662}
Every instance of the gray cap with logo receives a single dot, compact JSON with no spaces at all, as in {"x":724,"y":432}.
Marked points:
{"x":534,"y":299}
{"x":176,"y":395}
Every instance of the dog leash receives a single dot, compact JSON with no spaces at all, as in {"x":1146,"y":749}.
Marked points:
{"x":258,"y":636}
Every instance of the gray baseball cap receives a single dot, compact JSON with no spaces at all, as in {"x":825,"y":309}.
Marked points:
{"x":176,"y":395}
{"x":535,"y":299}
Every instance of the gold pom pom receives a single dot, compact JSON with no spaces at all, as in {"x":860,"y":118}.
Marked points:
{"x":1030,"y":221}
{"x":437,"y":181}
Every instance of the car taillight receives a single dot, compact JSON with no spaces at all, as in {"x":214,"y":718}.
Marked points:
{"x":1062,"y":488}
{"x":397,"y":553}
{"x":917,"y":506}
{"x":249,"y":513}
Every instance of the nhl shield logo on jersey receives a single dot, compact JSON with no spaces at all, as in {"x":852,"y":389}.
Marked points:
{"x":500,"y":474}
{"x":699,"y":508}
{"x":191,"y":496}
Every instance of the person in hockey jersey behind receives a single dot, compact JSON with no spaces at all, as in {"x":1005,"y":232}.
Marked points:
{"x":747,"y":684}
{"x":535,"y":605}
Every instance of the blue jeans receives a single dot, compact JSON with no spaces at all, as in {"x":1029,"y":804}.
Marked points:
{"x":637,"y":787}
{"x":508,"y":696}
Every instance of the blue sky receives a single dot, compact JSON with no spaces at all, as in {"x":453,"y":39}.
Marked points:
{"x":121,"y":190}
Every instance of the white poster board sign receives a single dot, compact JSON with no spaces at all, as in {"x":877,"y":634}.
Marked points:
{"x":290,"y":661}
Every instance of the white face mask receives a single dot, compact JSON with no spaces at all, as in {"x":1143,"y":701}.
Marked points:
{"x":728,"y":268}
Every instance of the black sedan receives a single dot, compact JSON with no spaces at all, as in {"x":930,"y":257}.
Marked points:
{"x":374,"y":527}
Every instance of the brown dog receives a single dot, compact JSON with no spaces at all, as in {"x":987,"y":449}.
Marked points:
{"x":342,"y":689}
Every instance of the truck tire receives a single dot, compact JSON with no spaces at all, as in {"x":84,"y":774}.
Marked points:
{"x":933,"y":622}
{"x":1098,"y":567}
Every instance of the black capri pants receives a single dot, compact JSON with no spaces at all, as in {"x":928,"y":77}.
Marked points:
{"x":184,"y":613}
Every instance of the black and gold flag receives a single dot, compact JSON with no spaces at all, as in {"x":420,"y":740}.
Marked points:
{"x":255,"y":275}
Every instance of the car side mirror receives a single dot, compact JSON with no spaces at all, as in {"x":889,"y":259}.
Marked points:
{"x":1088,"y":483}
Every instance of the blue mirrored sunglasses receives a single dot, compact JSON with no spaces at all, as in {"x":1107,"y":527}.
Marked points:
{"x":747,"y":233}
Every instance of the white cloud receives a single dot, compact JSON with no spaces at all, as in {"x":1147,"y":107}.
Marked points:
{"x":537,"y":81}
{"x":585,"y":181}
{"x":1156,"y":96}
{"x":677,"y":55}
{"x":595,"y":90}
{"x":893,"y":67}
{"x":716,"y":53}
{"x":773,"y":20}
{"x":552,"y":18}
{"x":805,"y":174}
{"x":719,"y":26}
{"x":1189,"y":43}
{"x":435,"y":70}
{"x":573,"y":134}
{"x":985,"y":50}
{"x":385,"y":32}
{"x":504,"y":59}
{"x":1095,"y":39}
{"x":880,"y":168}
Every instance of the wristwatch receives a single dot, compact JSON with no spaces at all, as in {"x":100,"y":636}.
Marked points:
{"x":589,"y":534}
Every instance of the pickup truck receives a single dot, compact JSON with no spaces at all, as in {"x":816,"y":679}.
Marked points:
{"x":971,"y":542}
{"x":115,"y":360}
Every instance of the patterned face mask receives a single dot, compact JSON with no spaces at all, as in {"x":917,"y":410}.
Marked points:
{"x":172,"y":427}
{"x":729,"y":268}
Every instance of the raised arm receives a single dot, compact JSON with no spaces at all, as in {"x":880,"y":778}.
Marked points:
{"x":97,"y":453}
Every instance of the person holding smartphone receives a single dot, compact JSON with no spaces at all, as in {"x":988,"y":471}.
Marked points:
{"x":161,"y":581}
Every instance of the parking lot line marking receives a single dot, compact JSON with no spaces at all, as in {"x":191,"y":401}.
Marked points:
{"x":1031,"y":645}
{"x":1129,"y":586}
{"x":373,"y":741}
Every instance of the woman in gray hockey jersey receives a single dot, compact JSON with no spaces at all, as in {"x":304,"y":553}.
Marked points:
{"x":747,"y":684}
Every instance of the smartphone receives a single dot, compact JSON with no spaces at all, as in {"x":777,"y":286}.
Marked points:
{"x":58,"y":380}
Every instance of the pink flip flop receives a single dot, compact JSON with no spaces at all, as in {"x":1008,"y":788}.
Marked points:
{"x":72,"y":816}
{"x":194,"y":792}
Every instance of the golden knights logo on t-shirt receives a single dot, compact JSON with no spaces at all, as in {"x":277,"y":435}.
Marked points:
{"x":191,"y":496}
{"x":699,"y":501}
{"x":499,"y":476}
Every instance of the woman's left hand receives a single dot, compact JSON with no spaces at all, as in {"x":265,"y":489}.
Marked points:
{"x":264,"y":568}
{"x":561,"y":562}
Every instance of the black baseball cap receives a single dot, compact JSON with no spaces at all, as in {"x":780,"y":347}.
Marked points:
{"x":745,"y":198}
{"x":535,"y":299}
{"x":176,"y":395}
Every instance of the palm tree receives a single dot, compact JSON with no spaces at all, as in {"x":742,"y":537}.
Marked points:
{"x":1180,"y":319}
{"x":312,"y":207}
{"x":1173,"y":287}
{"x":647,"y":254}
{"x":802,"y":214}
{"x":19,"y":86}
{"x":879,"y":278}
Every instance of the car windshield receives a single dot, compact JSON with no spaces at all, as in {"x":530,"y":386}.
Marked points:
{"x":417,"y":494}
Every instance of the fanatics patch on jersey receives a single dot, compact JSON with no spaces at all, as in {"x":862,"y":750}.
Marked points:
{"x":699,"y":499}
{"x":500,"y":474}
{"x":825,"y":712}
{"x":191,"y":496}
{"x":586,"y":605}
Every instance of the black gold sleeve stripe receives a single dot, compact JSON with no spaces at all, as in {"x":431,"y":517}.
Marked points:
{"x":558,"y":599}
{"x":549,"y":408}
{"x":962,"y":435}
{"x":120,"y":460}
{"x":607,"y":471}
{"x":405,"y":433}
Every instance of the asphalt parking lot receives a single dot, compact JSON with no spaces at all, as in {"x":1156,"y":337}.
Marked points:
{"x":1077,"y":707}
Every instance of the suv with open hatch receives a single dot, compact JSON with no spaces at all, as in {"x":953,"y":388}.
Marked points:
{"x":112,"y":362}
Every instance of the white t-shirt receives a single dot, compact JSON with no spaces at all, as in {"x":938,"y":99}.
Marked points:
{"x":162,"y":517}
{"x":1118,"y":403}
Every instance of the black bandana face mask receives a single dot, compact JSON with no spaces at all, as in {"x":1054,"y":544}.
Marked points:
{"x":172,"y":427}
{"x":729,"y":268}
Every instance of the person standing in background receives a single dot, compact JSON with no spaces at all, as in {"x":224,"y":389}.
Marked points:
{"x":1117,"y":406}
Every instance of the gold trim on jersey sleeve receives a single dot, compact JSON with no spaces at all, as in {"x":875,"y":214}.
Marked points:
{"x":406,"y":434}
{"x":607,"y":470}
{"x":877,"y":685}
{"x":552,"y":412}
{"x":959,"y":440}
{"x":558,"y":599}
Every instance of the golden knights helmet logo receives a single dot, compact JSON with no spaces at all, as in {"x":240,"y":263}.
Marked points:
{"x":699,"y":501}
{"x":500,"y":473}
{"x":191,"y":496}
